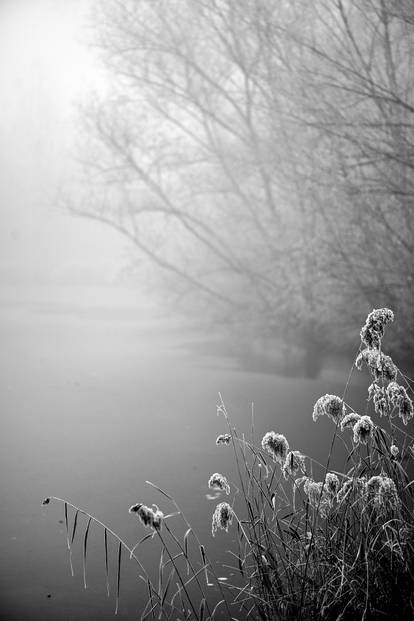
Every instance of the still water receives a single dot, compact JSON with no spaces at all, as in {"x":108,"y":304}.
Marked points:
{"x":101,"y":391}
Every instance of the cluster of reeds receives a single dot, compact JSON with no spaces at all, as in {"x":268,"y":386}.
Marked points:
{"x":339,"y":545}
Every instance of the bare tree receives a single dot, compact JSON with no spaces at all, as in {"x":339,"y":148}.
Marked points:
{"x":260,"y":153}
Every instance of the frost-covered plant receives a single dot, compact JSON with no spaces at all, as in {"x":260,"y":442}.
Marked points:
{"x":373,"y":329}
{"x":149,"y":517}
{"x":363,"y":430}
{"x":277,"y":445}
{"x":378,"y":395}
{"x":223,"y":438}
{"x":311,"y":543}
{"x":218,"y":481}
{"x":349,"y":420}
{"x":222,"y":517}
{"x":398,"y":398}
{"x":331,"y":406}
{"x":380,"y":365}
{"x":294,"y":463}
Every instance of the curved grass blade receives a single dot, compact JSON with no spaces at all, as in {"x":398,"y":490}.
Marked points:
{"x":106,"y":560}
{"x":75,"y":523}
{"x":67,"y":525}
{"x":203,"y":557}
{"x":167,"y":586}
{"x":68,"y":539}
{"x":85,"y":544}
{"x":160,"y":490}
{"x":202,"y":609}
{"x":160,"y":570}
{"x":150,"y":535}
{"x":118,"y":577}
{"x":188,"y":531}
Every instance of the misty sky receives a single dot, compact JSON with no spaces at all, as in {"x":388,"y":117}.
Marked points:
{"x":45,"y":67}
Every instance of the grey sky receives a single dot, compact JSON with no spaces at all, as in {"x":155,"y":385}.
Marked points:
{"x":44,"y":69}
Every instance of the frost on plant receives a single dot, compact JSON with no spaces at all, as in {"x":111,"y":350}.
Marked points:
{"x":149,"y":517}
{"x":349,"y":420}
{"x":329,"y":405}
{"x":378,"y":396}
{"x":382,"y":493}
{"x":277,"y":445}
{"x":223,"y":438}
{"x":398,"y":398}
{"x":318,"y":496}
{"x":373,"y":329}
{"x":218,"y":481}
{"x":222,"y":517}
{"x":294,"y":463}
{"x":394,"y":450}
{"x":363,"y":430}
{"x":379,"y":365}
{"x":354,"y":488}
{"x":331,"y":483}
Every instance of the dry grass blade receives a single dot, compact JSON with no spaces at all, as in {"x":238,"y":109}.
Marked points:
{"x":167,"y":586}
{"x":203,"y":558}
{"x":202,"y":609}
{"x":106,"y":560}
{"x":160,"y":490}
{"x":148,"y":536}
{"x":85,"y":545}
{"x":118,"y":577}
{"x":67,"y":525}
{"x":75,"y":523}
{"x":160,"y":571}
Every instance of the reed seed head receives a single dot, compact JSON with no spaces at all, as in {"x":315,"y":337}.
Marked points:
{"x":398,"y":398}
{"x":373,"y":329}
{"x":224,"y":438}
{"x":332,"y":483}
{"x":222,"y":517}
{"x":363,"y":430}
{"x":329,"y":405}
{"x":218,"y":481}
{"x":277,"y":445}
{"x":380,"y":366}
{"x":294,"y":463}
{"x":149,"y":517}
{"x":378,"y":396}
{"x":349,"y":420}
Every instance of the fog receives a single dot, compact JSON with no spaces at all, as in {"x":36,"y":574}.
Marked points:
{"x":46,"y":71}
{"x":217,"y":246}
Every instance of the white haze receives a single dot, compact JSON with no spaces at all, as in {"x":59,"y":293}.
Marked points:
{"x":46,"y":69}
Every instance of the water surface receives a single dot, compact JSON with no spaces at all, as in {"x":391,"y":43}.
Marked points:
{"x":100,"y":391}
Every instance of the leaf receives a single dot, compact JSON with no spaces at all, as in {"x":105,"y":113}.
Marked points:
{"x":118,"y":577}
{"x":85,"y":544}
{"x":106,"y":560}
